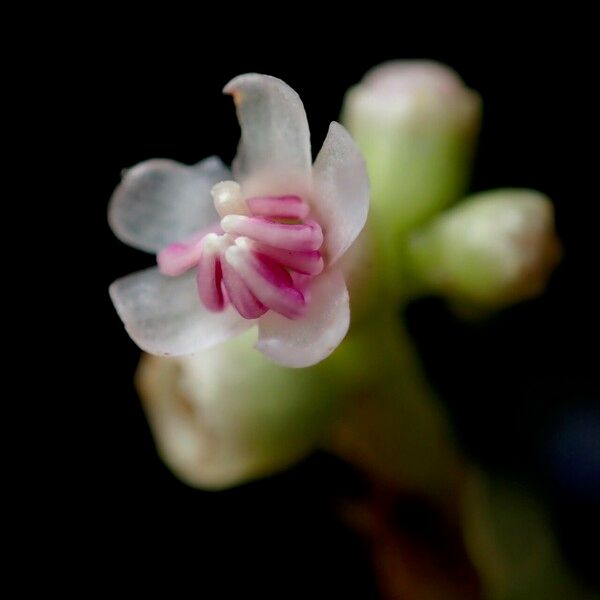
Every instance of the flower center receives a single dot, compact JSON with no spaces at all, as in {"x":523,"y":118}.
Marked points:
{"x":261,"y":257}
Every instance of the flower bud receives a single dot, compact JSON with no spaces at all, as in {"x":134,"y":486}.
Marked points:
{"x":416,"y":123}
{"x":228,"y":415}
{"x":493,"y":249}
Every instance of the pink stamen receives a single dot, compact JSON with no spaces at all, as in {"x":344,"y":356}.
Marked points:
{"x":178,"y":258}
{"x":302,"y":284}
{"x":267,"y":280}
{"x":240,"y":296}
{"x":209,"y":276}
{"x":302,"y":237}
{"x":256,"y":263}
{"x":281,"y":207}
{"x":307,"y":263}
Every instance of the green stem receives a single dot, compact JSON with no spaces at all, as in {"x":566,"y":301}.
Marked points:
{"x":393,"y":426}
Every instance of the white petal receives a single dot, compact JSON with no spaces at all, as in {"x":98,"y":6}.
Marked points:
{"x":164,"y":315}
{"x":274,"y":152}
{"x":307,"y":341}
{"x":161,"y":201}
{"x":341,"y":191}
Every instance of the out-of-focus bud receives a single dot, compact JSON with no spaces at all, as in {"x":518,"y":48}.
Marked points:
{"x":228,"y":415}
{"x":417,"y":124}
{"x":493,"y":249}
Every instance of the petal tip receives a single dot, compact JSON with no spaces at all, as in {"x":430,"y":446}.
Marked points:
{"x":306,"y":342}
{"x":343,"y":189}
{"x":247,"y":79}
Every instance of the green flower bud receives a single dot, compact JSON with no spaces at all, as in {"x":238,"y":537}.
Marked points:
{"x":229,"y":415}
{"x":491,"y":250}
{"x":416,"y":123}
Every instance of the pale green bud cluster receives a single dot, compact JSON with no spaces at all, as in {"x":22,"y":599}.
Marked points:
{"x":229,"y":415}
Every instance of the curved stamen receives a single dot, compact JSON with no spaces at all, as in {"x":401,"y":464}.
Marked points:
{"x":179,"y":257}
{"x":306,"y":263}
{"x":244,"y":301}
{"x":209,"y":275}
{"x":302,"y":237}
{"x":266,"y":279}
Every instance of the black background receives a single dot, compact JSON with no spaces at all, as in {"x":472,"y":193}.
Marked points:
{"x":139,"y":93}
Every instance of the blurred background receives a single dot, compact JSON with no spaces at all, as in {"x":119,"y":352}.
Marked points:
{"x":520,"y":387}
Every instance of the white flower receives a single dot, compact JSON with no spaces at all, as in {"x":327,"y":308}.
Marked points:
{"x":263,"y":250}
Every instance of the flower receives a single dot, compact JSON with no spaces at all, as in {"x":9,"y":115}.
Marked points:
{"x":264,"y":251}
